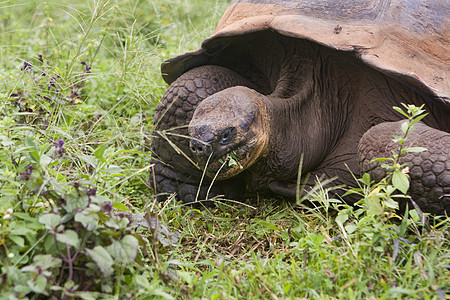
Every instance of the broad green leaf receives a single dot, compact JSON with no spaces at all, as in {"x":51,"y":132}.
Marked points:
{"x":98,"y":153}
{"x":373,"y":202}
{"x":46,"y":261}
{"x":381,"y":159}
{"x":50,"y":220}
{"x":69,"y":237}
{"x":74,"y":201}
{"x":342,"y":217}
{"x":19,"y":241}
{"x":45,"y":160}
{"x":125,"y":250}
{"x":103,"y":260}
{"x":38,"y":285}
{"x":400,"y":181}
{"x":350,"y":228}
{"x":89,"y":220}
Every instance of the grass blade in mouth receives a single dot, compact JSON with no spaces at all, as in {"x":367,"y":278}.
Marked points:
{"x":233,"y":160}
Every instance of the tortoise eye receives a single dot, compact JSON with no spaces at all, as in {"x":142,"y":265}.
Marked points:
{"x":227,"y":135}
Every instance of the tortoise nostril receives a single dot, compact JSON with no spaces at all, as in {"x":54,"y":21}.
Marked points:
{"x":197,"y":147}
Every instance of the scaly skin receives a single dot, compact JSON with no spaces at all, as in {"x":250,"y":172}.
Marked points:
{"x":177,"y":174}
{"x":429,"y":171}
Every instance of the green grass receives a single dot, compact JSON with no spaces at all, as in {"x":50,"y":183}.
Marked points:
{"x":87,"y":73}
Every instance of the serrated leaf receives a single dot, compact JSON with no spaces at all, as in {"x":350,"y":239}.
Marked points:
{"x":103,"y":260}
{"x":125,"y":250}
{"x":69,"y":237}
{"x":400,"y":181}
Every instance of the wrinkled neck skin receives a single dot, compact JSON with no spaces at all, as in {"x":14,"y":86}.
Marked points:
{"x":323,"y":100}
{"x":298,"y":126}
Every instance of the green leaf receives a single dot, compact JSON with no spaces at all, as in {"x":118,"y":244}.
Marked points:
{"x":125,"y":250}
{"x":400,"y":181}
{"x":88,"y":220}
{"x":89,"y":159}
{"x":103,"y":260}
{"x":391,"y":203}
{"x":382,"y":159}
{"x":74,"y":201}
{"x":350,"y":228}
{"x":366,"y":179}
{"x":45,"y":160}
{"x":39,"y":285}
{"x":69,"y":237}
{"x":98,"y":153}
{"x":417,"y":119}
{"x":415,"y":149}
{"x":120,"y":206}
{"x":19,"y":241}
{"x":405,"y":127}
{"x":50,"y":221}
{"x":33,"y":149}
{"x":399,"y":110}
{"x":47,"y":261}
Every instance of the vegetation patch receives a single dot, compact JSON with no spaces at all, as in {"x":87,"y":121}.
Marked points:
{"x":79,"y":82}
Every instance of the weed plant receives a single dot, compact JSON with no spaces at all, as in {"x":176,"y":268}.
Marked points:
{"x":79,"y":81}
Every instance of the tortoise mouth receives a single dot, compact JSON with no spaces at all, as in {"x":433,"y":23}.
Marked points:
{"x":233,"y":162}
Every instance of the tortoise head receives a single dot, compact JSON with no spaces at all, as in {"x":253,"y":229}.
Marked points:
{"x":229,"y":131}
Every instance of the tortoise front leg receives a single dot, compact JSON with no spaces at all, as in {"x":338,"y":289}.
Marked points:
{"x":174,"y":168}
{"x":429,"y":171}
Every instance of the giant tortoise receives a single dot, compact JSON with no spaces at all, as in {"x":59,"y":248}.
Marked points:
{"x":282,"y":79}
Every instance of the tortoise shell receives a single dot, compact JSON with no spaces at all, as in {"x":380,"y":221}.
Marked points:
{"x":409,"y":39}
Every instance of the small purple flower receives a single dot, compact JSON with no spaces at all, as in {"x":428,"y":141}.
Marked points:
{"x":25,"y":175}
{"x":73,"y":94}
{"x":88,"y":68}
{"x":107,"y":207}
{"x":26,"y":66}
{"x":91,"y":192}
{"x":59,"y":147}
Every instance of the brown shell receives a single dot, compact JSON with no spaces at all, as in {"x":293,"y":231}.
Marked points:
{"x":408,"y":38}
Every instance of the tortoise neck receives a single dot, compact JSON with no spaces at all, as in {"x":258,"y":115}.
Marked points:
{"x":301,"y":124}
